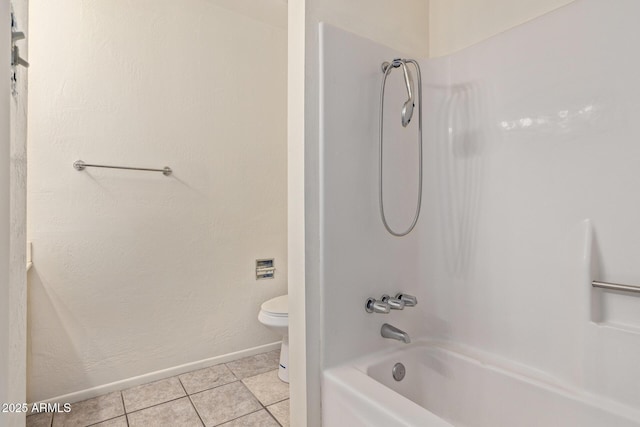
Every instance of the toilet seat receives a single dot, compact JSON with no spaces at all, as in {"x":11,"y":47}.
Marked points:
{"x":276,"y":307}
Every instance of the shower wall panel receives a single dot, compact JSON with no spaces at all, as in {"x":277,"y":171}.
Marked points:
{"x":532,"y":148}
{"x":359,"y":259}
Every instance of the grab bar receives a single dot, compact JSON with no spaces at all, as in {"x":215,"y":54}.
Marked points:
{"x":615,"y":286}
{"x":79,"y":165}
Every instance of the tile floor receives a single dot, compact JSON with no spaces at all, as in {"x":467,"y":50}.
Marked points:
{"x":243,"y":393}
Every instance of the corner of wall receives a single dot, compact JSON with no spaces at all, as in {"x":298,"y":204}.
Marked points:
{"x":296,"y":40}
{"x":399,"y":25}
{"x":5,"y":222}
{"x":456,"y":24}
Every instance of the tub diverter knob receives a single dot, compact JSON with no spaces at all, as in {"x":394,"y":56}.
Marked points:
{"x":409,"y":300}
{"x":395,"y":303}
{"x":374,"y":306}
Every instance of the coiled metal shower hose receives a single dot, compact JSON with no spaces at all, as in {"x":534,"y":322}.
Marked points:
{"x":387,"y":71}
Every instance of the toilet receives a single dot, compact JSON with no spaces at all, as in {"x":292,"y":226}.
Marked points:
{"x":274,"y":314}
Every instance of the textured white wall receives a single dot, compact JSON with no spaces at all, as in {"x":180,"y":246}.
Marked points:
{"x":135,"y":272}
{"x":13,"y":224}
{"x":401,"y":25}
{"x":272,"y":12}
{"x":5,"y":220}
{"x":18,"y":279}
{"x":455,"y":24}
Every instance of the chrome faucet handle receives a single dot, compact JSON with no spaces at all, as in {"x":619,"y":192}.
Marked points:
{"x":374,"y":306}
{"x":395,"y":303}
{"x":409,"y":300}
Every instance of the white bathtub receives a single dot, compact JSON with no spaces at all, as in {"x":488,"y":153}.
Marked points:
{"x":448,"y":386}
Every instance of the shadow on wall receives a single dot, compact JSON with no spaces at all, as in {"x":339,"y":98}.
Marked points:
{"x":61,"y":323}
{"x":597,"y":270}
{"x":461,"y":141}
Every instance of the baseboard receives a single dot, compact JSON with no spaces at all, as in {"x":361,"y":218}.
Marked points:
{"x":159,"y":375}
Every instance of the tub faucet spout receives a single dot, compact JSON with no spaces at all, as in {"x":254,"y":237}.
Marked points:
{"x":389,"y":331}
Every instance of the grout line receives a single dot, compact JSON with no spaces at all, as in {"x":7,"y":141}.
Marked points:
{"x":262,"y":373}
{"x":153,"y":406}
{"x":236,"y":418}
{"x":191,"y":401}
{"x":104,"y":421}
{"x":268,"y":410}
{"x":251,"y":393}
{"x":182,"y":385}
{"x":279,"y":401}
{"x":237,"y":379}
{"x":231,"y":370}
{"x":212,"y":388}
{"x":126,"y":418}
{"x":272,"y":403}
{"x":274,"y":417}
{"x":124,"y":407}
{"x":249,"y":357}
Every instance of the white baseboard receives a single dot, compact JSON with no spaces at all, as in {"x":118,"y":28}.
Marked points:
{"x":160,"y":375}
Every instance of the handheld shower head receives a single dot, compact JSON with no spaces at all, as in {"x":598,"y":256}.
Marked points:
{"x":407,"y":108}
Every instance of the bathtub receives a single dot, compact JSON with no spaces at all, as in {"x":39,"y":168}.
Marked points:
{"x":447,"y":385}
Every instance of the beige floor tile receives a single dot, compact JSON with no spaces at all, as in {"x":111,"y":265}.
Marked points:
{"x":256,"y":419}
{"x":267,"y":387}
{"x":40,"y":420}
{"x":91,"y":411}
{"x":147,"y":395}
{"x":207,"y":378}
{"x":115,"y":422}
{"x":280,"y":411}
{"x":224,"y":403}
{"x":254,"y":365}
{"x":175,"y":413}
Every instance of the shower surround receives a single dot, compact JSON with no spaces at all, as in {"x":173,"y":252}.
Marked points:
{"x":530,"y":160}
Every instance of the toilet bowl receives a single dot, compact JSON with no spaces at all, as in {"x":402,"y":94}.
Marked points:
{"x":274,"y":314}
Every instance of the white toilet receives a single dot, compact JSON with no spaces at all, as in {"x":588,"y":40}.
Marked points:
{"x":274,"y":314}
